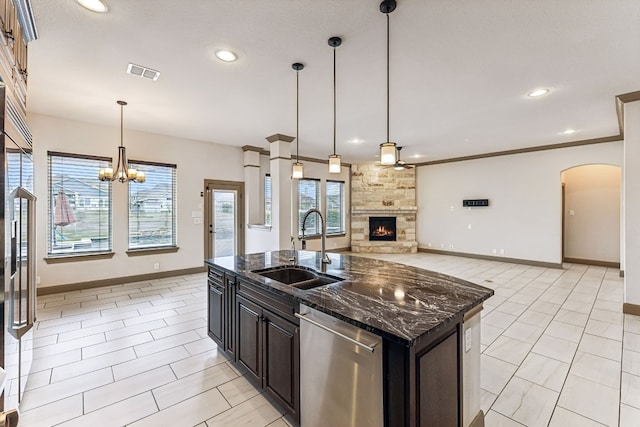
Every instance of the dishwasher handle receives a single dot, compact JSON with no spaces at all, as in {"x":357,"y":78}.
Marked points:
{"x":341,"y":335}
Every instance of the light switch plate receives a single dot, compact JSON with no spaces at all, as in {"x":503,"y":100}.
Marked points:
{"x":467,"y":340}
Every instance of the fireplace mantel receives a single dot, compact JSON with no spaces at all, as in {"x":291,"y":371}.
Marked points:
{"x":384,"y":210}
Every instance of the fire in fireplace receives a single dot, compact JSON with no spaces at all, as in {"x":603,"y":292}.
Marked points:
{"x":382,"y":228}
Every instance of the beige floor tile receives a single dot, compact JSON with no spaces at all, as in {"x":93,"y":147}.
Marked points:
{"x":591,"y":400}
{"x":607,"y":305}
{"x":604,"y":329}
{"x":118,"y":414}
{"x":544,"y":371}
{"x":488,"y":334}
{"x":494,"y":419}
{"x":84,"y":332}
{"x":52,"y":413}
{"x":631,"y":362}
{"x":499,"y":319}
{"x":61,"y":373}
{"x":189,"y":386}
{"x":178,"y":328}
{"x":136,"y":320}
{"x":146,"y":363}
{"x":36,"y":379}
{"x":631,"y":342}
{"x":629,"y":416}
{"x":564,"y":331}
{"x":239,"y":390}
{"x":198,"y":314}
{"x":523,"y":332}
{"x":189,"y":412}
{"x":198,"y":362}
{"x":109,"y":318}
{"x":118,"y":344}
{"x":256,"y":411}
{"x":495,"y":373}
{"x":509,"y":349}
{"x":601,"y":347}
{"x":572,"y":317}
{"x":555,"y":348}
{"x":632,"y":324}
{"x":535,"y":318}
{"x":513,"y":308}
{"x":135,"y":329}
{"x":63,"y":347}
{"x":607,"y":316}
{"x":486,"y":400}
{"x":280,"y":422}
{"x":564,"y":418}
{"x":598,"y":369}
{"x":630,"y":390}
{"x":60,"y":390}
{"x":60,"y":359}
{"x":545,"y":307}
{"x":526,"y":402}
{"x":164,"y":343}
{"x":204,"y":344}
{"x":126,"y":388}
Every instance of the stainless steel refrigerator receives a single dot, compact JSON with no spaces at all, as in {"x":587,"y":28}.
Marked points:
{"x":18,"y":305}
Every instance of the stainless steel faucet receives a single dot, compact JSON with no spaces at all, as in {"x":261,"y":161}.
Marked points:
{"x":323,"y":256}
{"x":293,"y":259}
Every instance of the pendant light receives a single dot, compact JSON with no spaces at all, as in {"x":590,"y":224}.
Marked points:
{"x":388,"y":152}
{"x":335,"y":165}
{"x":123,"y":172}
{"x":298,"y":170}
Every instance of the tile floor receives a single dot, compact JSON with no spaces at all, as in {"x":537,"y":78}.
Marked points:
{"x":556,"y":351}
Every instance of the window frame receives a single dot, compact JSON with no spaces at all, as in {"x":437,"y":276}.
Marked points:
{"x":343,"y":218}
{"x":82,"y":254}
{"x":173,"y":245}
{"x":268,"y":200}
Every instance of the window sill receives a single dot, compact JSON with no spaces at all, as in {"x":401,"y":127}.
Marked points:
{"x":262,"y":227}
{"x":77,"y":257}
{"x":152,"y":251}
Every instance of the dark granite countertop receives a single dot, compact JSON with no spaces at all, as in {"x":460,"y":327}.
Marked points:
{"x":397,"y":301}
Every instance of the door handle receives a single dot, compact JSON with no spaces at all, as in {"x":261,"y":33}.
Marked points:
{"x":341,"y":335}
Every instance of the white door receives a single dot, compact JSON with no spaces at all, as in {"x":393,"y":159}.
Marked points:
{"x":223,"y":227}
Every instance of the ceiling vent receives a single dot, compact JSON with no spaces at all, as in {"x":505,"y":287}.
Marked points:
{"x":140,"y":71}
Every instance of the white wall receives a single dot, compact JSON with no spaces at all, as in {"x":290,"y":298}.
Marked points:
{"x":592,"y":213}
{"x":196,"y":161}
{"x":525,"y":202}
{"x":631,"y":203}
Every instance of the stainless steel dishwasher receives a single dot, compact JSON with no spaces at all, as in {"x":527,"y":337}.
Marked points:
{"x":340,"y":373}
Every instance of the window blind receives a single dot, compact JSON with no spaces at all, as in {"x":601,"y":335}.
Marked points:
{"x":335,"y":207}
{"x":152,"y":206}
{"x":308,"y":198}
{"x":79,"y":206}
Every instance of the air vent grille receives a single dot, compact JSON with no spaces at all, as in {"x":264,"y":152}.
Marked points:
{"x":140,"y":71}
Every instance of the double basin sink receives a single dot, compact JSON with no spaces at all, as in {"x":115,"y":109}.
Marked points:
{"x":297,"y":276}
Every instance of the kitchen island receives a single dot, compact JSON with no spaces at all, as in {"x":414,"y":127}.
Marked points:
{"x":430,"y":359}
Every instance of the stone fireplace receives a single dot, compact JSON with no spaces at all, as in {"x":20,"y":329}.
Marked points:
{"x":383,"y":193}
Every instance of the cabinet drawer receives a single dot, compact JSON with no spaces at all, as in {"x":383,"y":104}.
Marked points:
{"x":282,"y":305}
{"x":215,"y":276}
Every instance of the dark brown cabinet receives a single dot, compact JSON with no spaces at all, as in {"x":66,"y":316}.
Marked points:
{"x":248,"y":325}
{"x":216,"y":313}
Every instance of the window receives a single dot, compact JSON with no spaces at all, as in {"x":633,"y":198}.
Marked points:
{"x":308,"y":197}
{"x":152,"y":206}
{"x":335,"y":207}
{"x":79,"y":205}
{"x":267,"y":199}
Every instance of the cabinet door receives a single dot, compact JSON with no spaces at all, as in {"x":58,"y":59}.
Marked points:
{"x":230,"y":306}
{"x":281,"y":373}
{"x":248,"y":345}
{"x":216,"y":313}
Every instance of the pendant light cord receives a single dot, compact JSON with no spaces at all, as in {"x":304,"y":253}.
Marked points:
{"x":121,"y":124}
{"x":387,"y":77}
{"x":334,"y":101}
{"x":297,"y":115}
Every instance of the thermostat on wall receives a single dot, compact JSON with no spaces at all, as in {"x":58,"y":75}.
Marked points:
{"x":470,"y":203}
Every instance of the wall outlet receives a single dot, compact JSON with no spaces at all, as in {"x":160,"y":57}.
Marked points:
{"x":495,"y":251}
{"x":451,"y":208}
{"x":469,"y":227}
{"x":467,"y":340}
{"x":450,"y":246}
{"x":429,"y":244}
{"x":156,"y":266}
{"x":37,"y":280}
{"x":197,"y":220}
{"x":441,"y":245}
{"x":501,"y":251}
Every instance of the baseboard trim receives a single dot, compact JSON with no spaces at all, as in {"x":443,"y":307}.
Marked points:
{"x":609,"y":264}
{"x":118,"y":280}
{"x":478,"y":421}
{"x":494,"y":258}
{"x":345,"y":249}
{"x":628,"y":308}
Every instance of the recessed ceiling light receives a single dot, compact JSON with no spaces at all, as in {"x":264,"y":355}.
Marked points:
{"x":538,"y":92}
{"x":94,"y":5}
{"x":417,"y":156}
{"x":226,"y":55}
{"x":569,"y":131}
{"x":356,"y":141}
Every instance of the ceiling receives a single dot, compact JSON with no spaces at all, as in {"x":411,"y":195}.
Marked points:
{"x":460,"y":71}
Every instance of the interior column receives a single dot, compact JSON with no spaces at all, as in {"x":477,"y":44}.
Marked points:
{"x":252,"y":187}
{"x":280,"y":169}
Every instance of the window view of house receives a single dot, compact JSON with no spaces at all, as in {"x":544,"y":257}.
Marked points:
{"x":335,"y":207}
{"x":79,"y":205}
{"x":308,"y":198}
{"x":152,"y":212}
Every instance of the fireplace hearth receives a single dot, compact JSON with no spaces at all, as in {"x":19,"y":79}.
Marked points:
{"x":382,"y":228}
